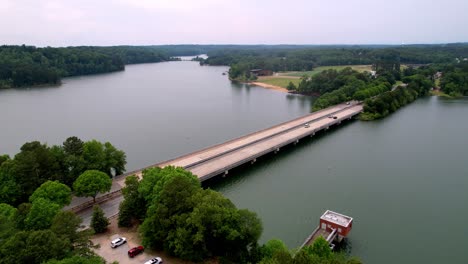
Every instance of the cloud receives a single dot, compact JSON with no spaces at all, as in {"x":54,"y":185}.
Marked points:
{"x":139,"y":22}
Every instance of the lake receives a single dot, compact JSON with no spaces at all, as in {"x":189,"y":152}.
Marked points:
{"x":404,"y":179}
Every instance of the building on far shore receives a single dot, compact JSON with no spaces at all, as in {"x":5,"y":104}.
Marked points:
{"x":261,"y":72}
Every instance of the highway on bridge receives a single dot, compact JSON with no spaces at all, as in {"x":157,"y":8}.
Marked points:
{"x":221,"y":158}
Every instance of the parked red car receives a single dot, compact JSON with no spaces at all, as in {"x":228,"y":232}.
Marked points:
{"x":135,"y":251}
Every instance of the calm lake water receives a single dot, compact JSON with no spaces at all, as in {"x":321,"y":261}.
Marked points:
{"x":404,"y":179}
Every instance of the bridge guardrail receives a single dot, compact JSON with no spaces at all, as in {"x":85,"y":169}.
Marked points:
{"x":99,"y":200}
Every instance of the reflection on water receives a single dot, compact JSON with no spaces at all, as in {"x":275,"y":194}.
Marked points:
{"x":153,"y":112}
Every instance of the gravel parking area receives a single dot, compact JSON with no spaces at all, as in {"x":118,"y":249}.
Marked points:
{"x":120,"y":253}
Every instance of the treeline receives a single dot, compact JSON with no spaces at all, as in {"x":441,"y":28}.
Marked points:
{"x":305,"y":58}
{"x":27,"y":65}
{"x":386,"y":103}
{"x":196,"y":224}
{"x":454,"y":80}
{"x":334,"y":87}
{"x":41,"y":232}
{"x":35,"y":186}
{"x":37,"y":163}
{"x":276,"y":252}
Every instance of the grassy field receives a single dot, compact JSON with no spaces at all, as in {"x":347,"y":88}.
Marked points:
{"x":359,"y":68}
{"x":281,"y":81}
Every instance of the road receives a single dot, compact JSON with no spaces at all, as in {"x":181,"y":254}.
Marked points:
{"x":220,"y":158}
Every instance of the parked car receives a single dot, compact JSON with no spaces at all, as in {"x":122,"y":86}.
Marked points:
{"x":118,"y":242}
{"x":335,"y":117}
{"x":156,"y":260}
{"x":135,"y":251}
{"x":306,"y":125}
{"x":348,"y":103}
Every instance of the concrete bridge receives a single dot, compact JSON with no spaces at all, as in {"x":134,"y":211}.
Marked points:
{"x":219,"y":159}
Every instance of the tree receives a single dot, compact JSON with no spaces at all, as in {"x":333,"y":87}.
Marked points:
{"x":115,"y":159}
{"x":33,"y":247}
{"x":302,"y":257}
{"x":193,"y":223}
{"x":271,"y":247}
{"x":10,"y":190}
{"x":291,"y":86}
{"x":4,"y":158}
{"x":53,"y":191}
{"x":133,"y":206}
{"x":174,"y":205}
{"x":65,"y":225}
{"x":104,"y":157}
{"x":41,"y":214}
{"x":155,"y":178}
{"x":99,"y":221}
{"x":33,"y":166}
{"x":73,"y":146}
{"x":320,"y":248}
{"x":7,"y":211}
{"x":92,"y":182}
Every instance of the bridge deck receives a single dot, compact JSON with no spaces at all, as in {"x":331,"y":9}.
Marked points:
{"x":220,"y":158}
{"x":248,"y":152}
{"x":194,"y":158}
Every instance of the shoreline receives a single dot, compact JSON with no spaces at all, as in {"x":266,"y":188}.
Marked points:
{"x":269,"y":86}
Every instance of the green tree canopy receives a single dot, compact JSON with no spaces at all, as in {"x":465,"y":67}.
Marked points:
{"x":7,"y":211}
{"x":73,"y":146}
{"x":41,"y":214}
{"x":193,"y":223}
{"x":271,"y":247}
{"x":103,"y":157}
{"x":92,"y":182}
{"x":134,"y":205}
{"x":65,"y":225}
{"x":155,"y":178}
{"x":33,"y":247}
{"x":53,"y":191}
{"x":99,"y":221}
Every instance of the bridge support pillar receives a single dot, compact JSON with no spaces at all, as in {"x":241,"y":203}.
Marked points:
{"x":327,"y":128}
{"x":225,"y":173}
{"x":339,"y":122}
{"x":253,"y":161}
{"x":276,"y":150}
{"x":297,"y":141}
{"x":313,"y":134}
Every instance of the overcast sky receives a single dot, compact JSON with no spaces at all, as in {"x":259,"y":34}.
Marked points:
{"x":146,"y":22}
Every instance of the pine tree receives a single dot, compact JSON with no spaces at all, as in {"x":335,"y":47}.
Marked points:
{"x":99,"y":221}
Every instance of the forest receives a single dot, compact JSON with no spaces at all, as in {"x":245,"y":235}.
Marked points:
{"x":37,"y":163}
{"x":454,"y":81}
{"x":305,"y":58}
{"x":28,"y":65}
